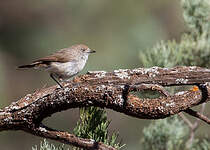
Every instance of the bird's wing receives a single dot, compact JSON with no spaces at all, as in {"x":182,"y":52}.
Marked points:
{"x":58,"y":56}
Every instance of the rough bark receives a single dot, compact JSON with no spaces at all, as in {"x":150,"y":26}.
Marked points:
{"x":112,"y":90}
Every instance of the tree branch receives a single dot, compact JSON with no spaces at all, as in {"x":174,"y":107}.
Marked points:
{"x":112,"y":90}
{"x":197,"y":115}
{"x":68,"y":138}
{"x":193,"y":126}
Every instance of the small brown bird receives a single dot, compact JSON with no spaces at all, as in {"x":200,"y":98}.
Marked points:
{"x":64,"y":63}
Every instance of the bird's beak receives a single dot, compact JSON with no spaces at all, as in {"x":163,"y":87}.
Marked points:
{"x":91,"y":51}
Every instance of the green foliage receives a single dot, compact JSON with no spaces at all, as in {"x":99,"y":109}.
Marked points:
{"x":193,"y":48}
{"x":196,"y":15}
{"x":203,"y":144}
{"x":169,"y":54}
{"x":93,"y":124}
{"x":188,"y":52}
{"x":45,"y":145}
{"x":166,"y":134}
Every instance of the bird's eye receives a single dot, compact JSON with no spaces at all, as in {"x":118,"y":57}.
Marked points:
{"x":83,"y":49}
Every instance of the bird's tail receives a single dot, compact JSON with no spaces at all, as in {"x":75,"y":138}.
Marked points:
{"x":26,"y":66}
{"x":32,"y":65}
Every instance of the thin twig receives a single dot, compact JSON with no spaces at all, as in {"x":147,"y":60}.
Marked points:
{"x":186,"y":120}
{"x":193,"y":126}
{"x":198,"y":115}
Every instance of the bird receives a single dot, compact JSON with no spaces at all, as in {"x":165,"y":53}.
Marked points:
{"x":63,"y":64}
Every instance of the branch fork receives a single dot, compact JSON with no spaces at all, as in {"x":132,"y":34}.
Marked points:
{"x":111,"y":90}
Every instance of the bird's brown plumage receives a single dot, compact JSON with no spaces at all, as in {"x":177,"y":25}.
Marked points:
{"x":57,"y":57}
{"x":64,"y":63}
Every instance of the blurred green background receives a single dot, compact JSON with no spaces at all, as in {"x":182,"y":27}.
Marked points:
{"x":117,"y":30}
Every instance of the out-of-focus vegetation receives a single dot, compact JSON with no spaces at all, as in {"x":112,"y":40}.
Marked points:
{"x":45,"y":145}
{"x":93,"y":124}
{"x":165,"y":134}
{"x":192,"y":49}
{"x":117,"y":30}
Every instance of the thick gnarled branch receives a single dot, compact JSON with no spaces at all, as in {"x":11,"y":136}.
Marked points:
{"x":111,"y":90}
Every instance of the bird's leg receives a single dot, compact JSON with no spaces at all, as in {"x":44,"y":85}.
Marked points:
{"x":53,"y":77}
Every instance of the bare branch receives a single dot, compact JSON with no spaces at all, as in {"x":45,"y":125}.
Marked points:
{"x":186,"y":120}
{"x":198,"y":115}
{"x":193,"y":126}
{"x":111,"y":90}
{"x":68,"y":138}
{"x":198,"y":119}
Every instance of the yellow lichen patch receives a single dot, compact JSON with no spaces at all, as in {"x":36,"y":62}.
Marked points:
{"x":195,"y":88}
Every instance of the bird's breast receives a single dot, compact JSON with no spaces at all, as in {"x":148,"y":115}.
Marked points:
{"x":67,"y":69}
